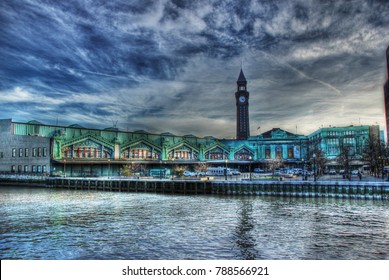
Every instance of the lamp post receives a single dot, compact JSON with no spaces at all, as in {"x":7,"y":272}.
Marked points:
{"x":382,"y":159}
{"x":250,"y":159}
{"x":160,"y":169}
{"x":226,"y":170}
{"x":172,"y":168}
{"x":109,"y":167}
{"x":64,"y":167}
{"x":303,"y":166}
{"x":314,"y":167}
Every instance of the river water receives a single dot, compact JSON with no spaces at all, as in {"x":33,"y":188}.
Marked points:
{"x":38,"y":223}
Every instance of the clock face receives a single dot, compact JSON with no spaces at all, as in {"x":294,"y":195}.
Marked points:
{"x":242,"y":99}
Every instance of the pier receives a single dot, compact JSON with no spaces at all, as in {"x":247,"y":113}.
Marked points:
{"x":357,"y":190}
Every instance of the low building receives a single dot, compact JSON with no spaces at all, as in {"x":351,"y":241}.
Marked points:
{"x":73,"y":150}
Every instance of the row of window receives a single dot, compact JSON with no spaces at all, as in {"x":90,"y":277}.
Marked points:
{"x":27,"y":169}
{"x":35,"y":152}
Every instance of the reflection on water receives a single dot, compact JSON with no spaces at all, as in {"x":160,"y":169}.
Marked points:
{"x":244,"y":234}
{"x":68,"y":224}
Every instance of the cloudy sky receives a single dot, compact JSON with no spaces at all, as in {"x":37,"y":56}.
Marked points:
{"x":172,"y":65}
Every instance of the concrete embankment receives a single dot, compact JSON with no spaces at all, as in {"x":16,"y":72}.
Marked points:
{"x":341,"y":189}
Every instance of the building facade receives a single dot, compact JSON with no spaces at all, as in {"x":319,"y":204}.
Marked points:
{"x":73,"y":150}
{"x":23,"y":153}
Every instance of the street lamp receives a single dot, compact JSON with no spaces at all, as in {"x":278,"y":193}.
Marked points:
{"x":173,"y":168}
{"x":382,"y":159}
{"x":250,"y":159}
{"x":314,"y":167}
{"x":226,"y":170}
{"x":109,"y":167}
{"x":160,"y":169}
{"x":64,"y":167}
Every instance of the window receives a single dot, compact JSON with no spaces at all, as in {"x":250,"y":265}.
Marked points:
{"x":34,"y":168}
{"x":26,"y":168}
{"x":44,"y":168}
{"x":1,"y":154}
{"x":39,"y":169}
{"x":20,"y":152}
{"x":39,"y":152}
{"x":26,"y":152}
{"x":290,"y":152}
{"x":13,"y":152}
{"x":279,"y":152}
{"x":13,"y":168}
{"x":267,"y":152}
{"x":45,"y":152}
{"x":34,"y":152}
{"x":19,"y":168}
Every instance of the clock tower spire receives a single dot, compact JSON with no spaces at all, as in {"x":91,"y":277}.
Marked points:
{"x":242,"y":108}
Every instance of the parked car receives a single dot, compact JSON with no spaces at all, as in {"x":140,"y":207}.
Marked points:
{"x":332,"y":172}
{"x":341,"y":172}
{"x":355,"y":172}
{"x":235,"y":172}
{"x":189,"y":174}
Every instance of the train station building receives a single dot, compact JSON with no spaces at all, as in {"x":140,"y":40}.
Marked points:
{"x":34,"y":147}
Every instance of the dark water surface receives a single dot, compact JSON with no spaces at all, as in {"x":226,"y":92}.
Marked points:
{"x":68,"y":224}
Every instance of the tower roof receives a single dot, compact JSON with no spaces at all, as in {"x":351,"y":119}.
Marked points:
{"x":241,"y":78}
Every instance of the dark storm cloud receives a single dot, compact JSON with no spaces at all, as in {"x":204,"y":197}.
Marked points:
{"x":172,"y":65}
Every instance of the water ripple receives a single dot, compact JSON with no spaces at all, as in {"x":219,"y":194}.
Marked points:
{"x":63,"y":224}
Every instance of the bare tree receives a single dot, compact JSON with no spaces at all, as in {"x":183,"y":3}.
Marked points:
{"x":131,"y":169}
{"x":375,"y":153}
{"x":201,"y":167}
{"x":320,"y":160}
{"x":274,"y":164}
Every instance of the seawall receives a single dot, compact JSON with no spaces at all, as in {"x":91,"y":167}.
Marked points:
{"x":340,"y":189}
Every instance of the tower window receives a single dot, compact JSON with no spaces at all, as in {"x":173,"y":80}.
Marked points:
{"x":242,"y":88}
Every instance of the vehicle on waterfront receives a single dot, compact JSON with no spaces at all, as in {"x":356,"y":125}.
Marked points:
{"x":159,"y":172}
{"x":365,"y":169}
{"x":341,"y":172}
{"x":235,"y":172}
{"x":218,"y":171}
{"x":189,"y":174}
{"x":355,"y":172}
{"x":332,"y":172}
{"x":259,"y":170}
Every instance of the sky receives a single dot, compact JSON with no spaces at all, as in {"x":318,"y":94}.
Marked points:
{"x":172,"y":66}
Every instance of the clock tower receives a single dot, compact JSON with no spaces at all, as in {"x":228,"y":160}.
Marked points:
{"x":242,"y":108}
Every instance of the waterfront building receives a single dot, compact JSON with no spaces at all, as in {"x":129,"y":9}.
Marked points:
{"x":27,"y":152}
{"x":73,"y":150}
{"x":277,"y":145}
{"x":351,"y":141}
